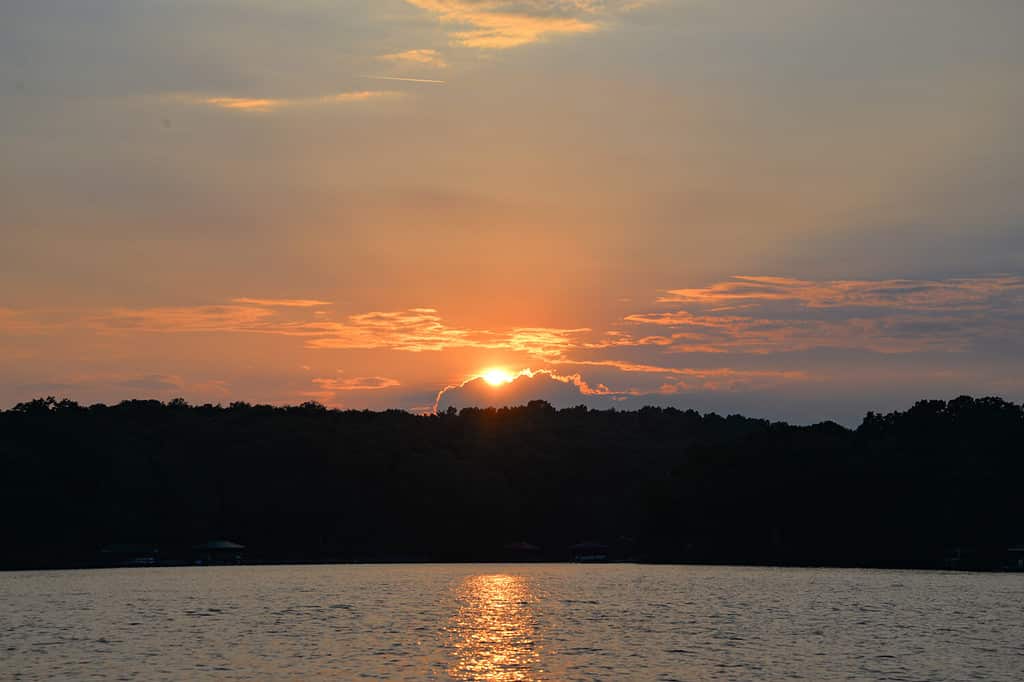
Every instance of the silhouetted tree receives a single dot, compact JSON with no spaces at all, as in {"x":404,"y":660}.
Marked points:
{"x":311,"y":483}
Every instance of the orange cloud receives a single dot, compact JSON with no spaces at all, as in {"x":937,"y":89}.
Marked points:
{"x":264,"y":105}
{"x":358,"y":96}
{"x":413,"y":330}
{"x":513,"y":390}
{"x":761,"y":315}
{"x":208,"y":318}
{"x":570,"y":389}
{"x":749,"y":316}
{"x":356,"y":383}
{"x":282,"y":302}
{"x":421,"y":57}
{"x":422,"y":329}
{"x":894,"y":293}
{"x":545,"y":342}
{"x":762,"y":334}
{"x":401,"y":79}
{"x":416,"y":330}
{"x":501,"y":24}
{"x":246,"y":104}
{"x":706,"y":373}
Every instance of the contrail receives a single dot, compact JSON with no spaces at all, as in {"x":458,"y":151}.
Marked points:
{"x":407,"y":80}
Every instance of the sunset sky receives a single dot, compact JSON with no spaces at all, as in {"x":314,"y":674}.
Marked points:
{"x":796,"y":209}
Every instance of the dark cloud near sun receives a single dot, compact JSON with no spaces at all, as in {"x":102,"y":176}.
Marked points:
{"x":231,"y":199}
{"x":558,"y":390}
{"x":711,"y":345}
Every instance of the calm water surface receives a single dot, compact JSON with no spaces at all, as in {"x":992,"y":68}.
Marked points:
{"x":511,"y":622}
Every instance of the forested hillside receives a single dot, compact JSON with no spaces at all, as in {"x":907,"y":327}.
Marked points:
{"x":309,"y":484}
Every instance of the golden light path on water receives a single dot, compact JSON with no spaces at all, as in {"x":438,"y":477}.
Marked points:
{"x":493,"y":633}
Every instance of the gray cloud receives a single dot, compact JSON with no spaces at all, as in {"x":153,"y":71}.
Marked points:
{"x":557,"y":390}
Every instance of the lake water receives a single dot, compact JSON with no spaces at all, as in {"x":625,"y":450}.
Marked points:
{"x":510,"y":622}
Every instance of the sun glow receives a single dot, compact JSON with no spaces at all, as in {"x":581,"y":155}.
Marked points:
{"x":496,"y":376}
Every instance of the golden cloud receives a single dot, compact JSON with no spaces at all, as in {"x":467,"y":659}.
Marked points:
{"x":704,"y":373}
{"x":760,"y":315}
{"x":893,"y":293}
{"x":264,"y":105}
{"x":358,"y":96}
{"x":421,"y":57}
{"x":501,"y":24}
{"x":529,"y":376}
{"x":282,"y":302}
{"x":413,"y":330}
{"x":335,"y":384}
{"x":761,"y":334}
{"x":246,"y":104}
{"x":550,"y":385}
{"x":747,"y":316}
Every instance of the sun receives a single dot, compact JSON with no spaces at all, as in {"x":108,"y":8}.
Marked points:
{"x":497,"y":376}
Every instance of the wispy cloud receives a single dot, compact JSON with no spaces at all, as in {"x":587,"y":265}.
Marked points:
{"x":704,"y":373}
{"x":761,"y":315}
{"x":246,"y":104}
{"x":335,"y":384}
{"x":329,"y":390}
{"x":282,"y":302}
{"x":757,"y":326}
{"x":430,"y":81}
{"x":264,"y":105}
{"x":420,"y":57}
{"x":187,"y":319}
{"x":748,"y":315}
{"x":572,"y":389}
{"x":903,"y":294}
{"x":500,"y":24}
{"x":423,"y":329}
{"x":413,"y":330}
{"x":357,"y":96}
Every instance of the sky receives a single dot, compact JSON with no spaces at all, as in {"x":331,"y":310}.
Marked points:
{"x":797,"y":209}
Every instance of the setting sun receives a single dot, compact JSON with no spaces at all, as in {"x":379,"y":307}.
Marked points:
{"x":497,"y":376}
{"x":466,"y":290}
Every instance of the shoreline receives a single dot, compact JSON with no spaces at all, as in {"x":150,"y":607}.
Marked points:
{"x":511,"y":562}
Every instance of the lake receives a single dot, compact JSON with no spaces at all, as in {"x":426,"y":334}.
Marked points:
{"x":510,"y":622}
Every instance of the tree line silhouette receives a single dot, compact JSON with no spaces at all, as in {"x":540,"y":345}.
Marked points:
{"x":305,"y":483}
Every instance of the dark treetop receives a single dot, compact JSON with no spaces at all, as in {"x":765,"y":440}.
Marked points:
{"x":309,"y":484}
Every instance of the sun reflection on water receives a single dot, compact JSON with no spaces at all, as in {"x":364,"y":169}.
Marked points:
{"x":493,"y":633}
